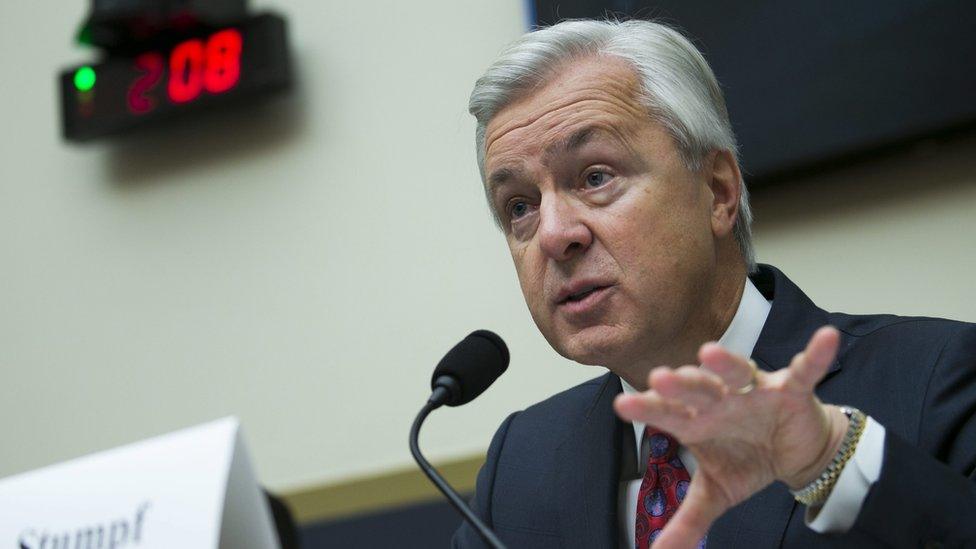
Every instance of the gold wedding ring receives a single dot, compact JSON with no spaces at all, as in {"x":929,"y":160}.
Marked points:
{"x":753,"y":374}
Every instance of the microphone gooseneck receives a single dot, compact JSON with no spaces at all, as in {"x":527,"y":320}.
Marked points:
{"x":442,"y":484}
{"x":465,"y":372}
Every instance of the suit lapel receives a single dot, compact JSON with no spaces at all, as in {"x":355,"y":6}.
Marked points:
{"x":588,"y":472}
{"x":792,"y":319}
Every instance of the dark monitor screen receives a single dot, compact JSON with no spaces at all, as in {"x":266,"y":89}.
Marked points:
{"x":814,"y":81}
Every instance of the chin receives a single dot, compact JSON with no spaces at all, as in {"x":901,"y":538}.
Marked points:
{"x":595,"y":346}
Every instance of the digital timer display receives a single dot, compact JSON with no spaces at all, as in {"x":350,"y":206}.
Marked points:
{"x":209,"y":69}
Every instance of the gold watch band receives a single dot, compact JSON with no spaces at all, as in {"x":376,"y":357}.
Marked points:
{"x":816,"y":492}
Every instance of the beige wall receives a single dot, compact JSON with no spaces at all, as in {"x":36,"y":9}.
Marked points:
{"x":305,"y":264}
{"x":895,"y":234}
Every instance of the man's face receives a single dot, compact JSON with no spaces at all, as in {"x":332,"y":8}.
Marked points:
{"x":610,"y":233}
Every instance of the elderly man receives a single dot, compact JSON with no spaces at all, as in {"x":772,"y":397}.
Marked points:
{"x":609,"y":162}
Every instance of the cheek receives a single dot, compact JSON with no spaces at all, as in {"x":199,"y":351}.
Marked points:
{"x":529,"y":274}
{"x":655,"y":236}
{"x":639,"y":227}
{"x":530,"y":269}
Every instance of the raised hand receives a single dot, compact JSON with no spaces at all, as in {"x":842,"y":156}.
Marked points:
{"x":746,"y":428}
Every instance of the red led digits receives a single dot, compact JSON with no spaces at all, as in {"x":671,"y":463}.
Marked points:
{"x":194,"y":66}
{"x":223,"y":61}
{"x":151,"y":64}
{"x":186,"y":65}
{"x":215,"y":67}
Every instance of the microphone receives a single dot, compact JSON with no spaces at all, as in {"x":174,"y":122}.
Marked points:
{"x":465,"y":372}
{"x":468,"y":369}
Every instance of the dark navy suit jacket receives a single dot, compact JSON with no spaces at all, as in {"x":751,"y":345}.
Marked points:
{"x":553,"y":471}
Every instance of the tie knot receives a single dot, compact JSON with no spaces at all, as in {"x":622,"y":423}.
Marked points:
{"x":661,"y":446}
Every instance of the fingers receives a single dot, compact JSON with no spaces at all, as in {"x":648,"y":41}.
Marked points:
{"x":691,"y":523}
{"x":733,"y":369}
{"x":690,"y":385}
{"x":808,"y":367}
{"x":676,"y":395}
{"x":650,"y":407}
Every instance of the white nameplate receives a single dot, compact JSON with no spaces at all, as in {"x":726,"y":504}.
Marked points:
{"x":188,"y":489}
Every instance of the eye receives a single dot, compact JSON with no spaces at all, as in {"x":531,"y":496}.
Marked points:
{"x":517,"y":209}
{"x":597,"y":179}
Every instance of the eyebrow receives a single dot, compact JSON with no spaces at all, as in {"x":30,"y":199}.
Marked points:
{"x":572,"y":143}
{"x":501,"y":176}
{"x":496,"y":180}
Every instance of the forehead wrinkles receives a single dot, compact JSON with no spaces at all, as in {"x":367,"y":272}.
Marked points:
{"x":603,"y":86}
{"x":549,"y":129}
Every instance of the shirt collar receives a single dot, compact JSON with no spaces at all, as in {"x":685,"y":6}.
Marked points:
{"x":740,"y":337}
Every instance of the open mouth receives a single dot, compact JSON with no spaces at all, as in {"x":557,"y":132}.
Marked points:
{"x":581,"y":295}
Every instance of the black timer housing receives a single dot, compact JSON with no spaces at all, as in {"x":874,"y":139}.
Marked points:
{"x":171,"y":59}
{"x":119,"y":25}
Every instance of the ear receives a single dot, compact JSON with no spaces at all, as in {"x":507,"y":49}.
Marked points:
{"x":723,"y":179}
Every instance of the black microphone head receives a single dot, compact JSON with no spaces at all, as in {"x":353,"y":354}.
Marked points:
{"x":474,"y":364}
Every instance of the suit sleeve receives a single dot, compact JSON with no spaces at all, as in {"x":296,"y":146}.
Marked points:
{"x":926,"y":494}
{"x":467,"y":537}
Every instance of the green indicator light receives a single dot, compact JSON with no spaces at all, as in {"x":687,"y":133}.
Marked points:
{"x":84,"y":79}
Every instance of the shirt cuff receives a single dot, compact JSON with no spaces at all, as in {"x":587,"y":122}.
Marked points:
{"x":840,"y":511}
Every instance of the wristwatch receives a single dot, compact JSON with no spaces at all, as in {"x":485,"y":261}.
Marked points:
{"x":816,"y":492}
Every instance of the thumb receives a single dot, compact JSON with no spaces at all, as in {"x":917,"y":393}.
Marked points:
{"x":808,"y":367}
{"x":694,"y":517}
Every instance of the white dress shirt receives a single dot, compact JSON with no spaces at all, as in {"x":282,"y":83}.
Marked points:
{"x":840,"y":510}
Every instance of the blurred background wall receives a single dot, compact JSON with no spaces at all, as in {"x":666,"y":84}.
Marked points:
{"x":305,"y":263}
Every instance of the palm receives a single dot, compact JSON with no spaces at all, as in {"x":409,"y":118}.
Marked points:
{"x":742,"y":442}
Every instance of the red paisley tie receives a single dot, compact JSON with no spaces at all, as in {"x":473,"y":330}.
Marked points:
{"x":663,"y":488}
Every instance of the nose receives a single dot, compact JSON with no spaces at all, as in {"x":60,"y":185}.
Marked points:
{"x":562,"y":232}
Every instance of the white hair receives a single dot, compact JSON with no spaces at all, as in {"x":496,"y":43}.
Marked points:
{"x":677,"y":87}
